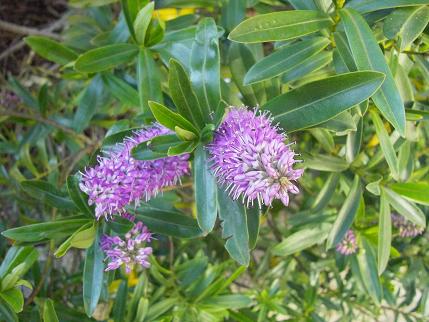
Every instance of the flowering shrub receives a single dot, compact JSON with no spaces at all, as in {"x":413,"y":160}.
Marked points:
{"x":235,"y":160}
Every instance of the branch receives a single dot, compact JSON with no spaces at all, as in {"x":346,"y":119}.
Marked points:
{"x":22,"y":30}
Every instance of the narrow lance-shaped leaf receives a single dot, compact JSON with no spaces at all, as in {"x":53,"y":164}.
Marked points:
{"x":364,"y":6}
{"x":384,"y":234}
{"x":280,"y":26}
{"x":368,"y":56}
{"x":170,"y":119}
{"x":149,"y":79}
{"x":386,"y":144}
{"x":205,"y":66}
{"x":79,"y":197}
{"x":142,"y":21}
{"x":183,"y":95}
{"x":284,"y":59}
{"x":51,"y":49}
{"x":322,"y":100}
{"x":121,"y":90}
{"x":234,"y":227}
{"x":346,"y":215}
{"x":415,"y":191}
{"x":205,"y":191}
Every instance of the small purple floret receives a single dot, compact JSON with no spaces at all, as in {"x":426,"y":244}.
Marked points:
{"x":348,"y":245}
{"x":250,"y":158}
{"x":119,"y":179}
{"x":406,"y":228}
{"x":128,"y":251}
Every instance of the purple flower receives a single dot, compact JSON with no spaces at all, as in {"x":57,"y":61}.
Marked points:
{"x":250,"y":158}
{"x":119,"y":179}
{"x":406,"y":228}
{"x":128,"y":251}
{"x":348,"y":245}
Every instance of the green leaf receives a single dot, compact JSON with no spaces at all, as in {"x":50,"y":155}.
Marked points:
{"x":49,"y":314}
{"x":234,"y":227}
{"x":354,"y":142}
{"x":205,"y":190}
{"x":284,"y":59}
{"x":149,"y":79}
{"x":6,"y":312}
{"x":121,"y":90}
{"x":364,"y":6}
{"x":14,"y":298}
{"x":22,"y":93}
{"x":384,"y":235}
{"x":15,"y":256}
{"x":51,"y":49}
{"x":301,"y":240}
{"x":120,"y":304}
{"x":405,"y":208}
{"x":325,"y":163}
{"x":231,"y":301}
{"x":48,"y":230}
{"x":407,"y":23}
{"x":253,"y":223}
{"x":83,"y":237}
{"x":386,"y":144}
{"x":280,"y":26}
{"x":205,"y":66}
{"x":183,"y":96}
{"x":104,"y":58}
{"x":142,"y":21}
{"x":308,"y":66}
{"x":325,"y":193}
{"x":46,"y":192}
{"x":346,"y":215}
{"x":368,"y":270}
{"x":171,"y":223}
{"x":233,"y":12}
{"x":79,"y":198}
{"x":319,"y":101}
{"x":159,"y":308}
{"x":344,"y":51}
{"x":415,"y":191}
{"x":93,"y":272}
{"x":368,"y":56}
{"x":170,"y":119}
{"x":120,"y":225}
{"x":130,"y":10}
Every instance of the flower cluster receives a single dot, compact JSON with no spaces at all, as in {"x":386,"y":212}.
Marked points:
{"x":128,"y":251}
{"x":118,"y":179}
{"x":406,"y":228}
{"x":348,"y":245}
{"x":249,"y":157}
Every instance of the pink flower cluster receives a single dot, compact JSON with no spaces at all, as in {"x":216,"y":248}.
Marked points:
{"x":348,"y":245}
{"x":406,"y":228}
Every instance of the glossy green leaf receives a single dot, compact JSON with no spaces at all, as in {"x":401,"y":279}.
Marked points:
{"x":325,"y":163}
{"x":205,"y":190}
{"x":354,"y":142}
{"x":149,"y":79}
{"x":16,"y":256}
{"x":120,"y":225}
{"x":284,"y":59}
{"x":364,"y":6}
{"x":46,"y":192}
{"x":121,"y":90}
{"x":120,"y":304}
{"x":346,"y":215}
{"x":130,"y":10}
{"x":142,"y":21}
{"x":170,"y":119}
{"x":325,"y":193}
{"x":104,"y":58}
{"x":368,"y":56}
{"x":159,"y":308}
{"x":14,"y":298}
{"x":93,"y":272}
{"x":234,"y":227}
{"x":205,"y":66}
{"x":79,"y":198}
{"x":83,"y":238}
{"x":281,"y":25}
{"x":405,"y":208}
{"x":308,"y":66}
{"x":233,"y":12}
{"x":48,"y":230}
{"x":368,"y":270}
{"x":253,"y":224}
{"x":171,"y":223}
{"x":384,"y":235}
{"x":7,"y":312}
{"x":319,"y":101}
{"x":415,"y":191}
{"x":49,"y":314}
{"x":407,"y":23}
{"x":301,"y":240}
{"x":345,"y":51}
{"x":22,"y":93}
{"x":51,"y":49}
{"x":230,"y":301}
{"x":386,"y":144}
{"x":183,"y":95}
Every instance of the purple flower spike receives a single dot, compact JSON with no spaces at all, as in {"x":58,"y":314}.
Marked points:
{"x":119,"y":179}
{"x":406,"y":227}
{"x":250,"y":158}
{"x":348,"y":245}
{"x":129,"y":251}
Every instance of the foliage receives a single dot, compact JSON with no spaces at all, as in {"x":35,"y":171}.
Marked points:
{"x":347,"y":80}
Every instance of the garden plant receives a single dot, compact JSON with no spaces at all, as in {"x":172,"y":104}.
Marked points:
{"x":217,"y":160}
